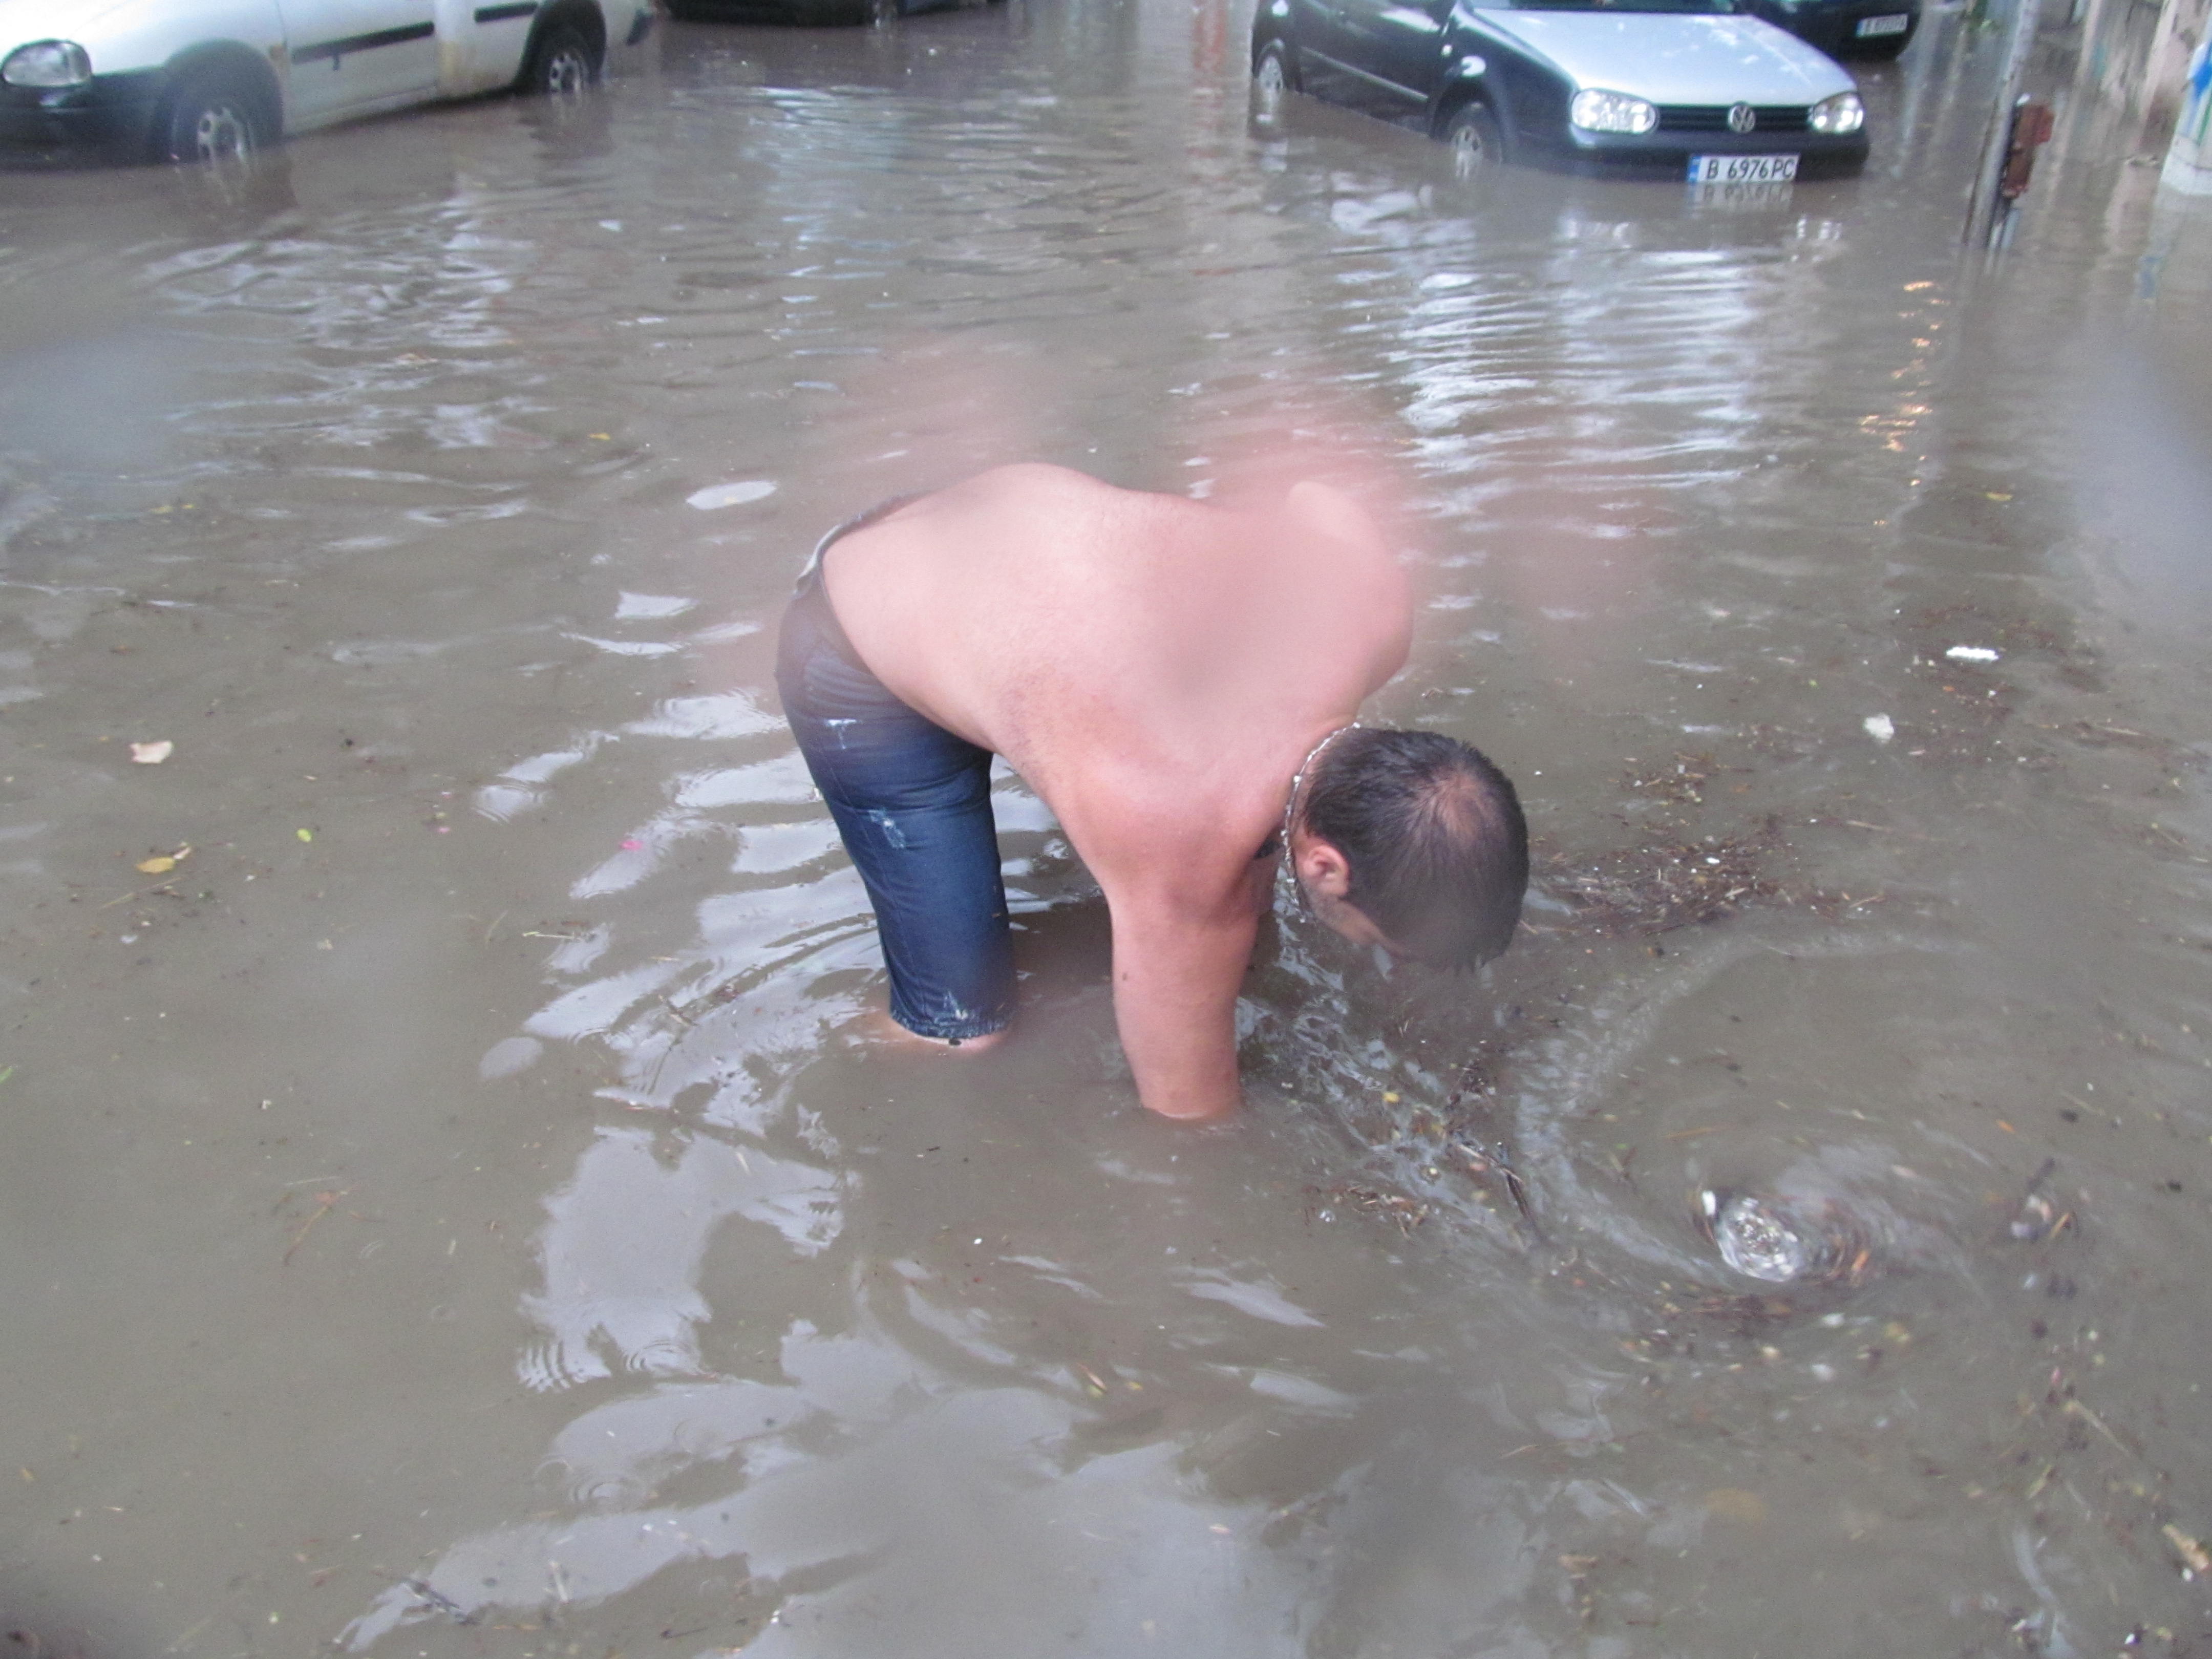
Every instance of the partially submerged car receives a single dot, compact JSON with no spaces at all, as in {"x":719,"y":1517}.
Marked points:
{"x":1687,"y":85}
{"x":206,"y":80}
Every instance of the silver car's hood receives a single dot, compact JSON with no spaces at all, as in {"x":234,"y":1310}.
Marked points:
{"x":1674,"y":57}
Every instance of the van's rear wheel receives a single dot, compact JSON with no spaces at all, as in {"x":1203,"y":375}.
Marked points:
{"x":565,"y":63}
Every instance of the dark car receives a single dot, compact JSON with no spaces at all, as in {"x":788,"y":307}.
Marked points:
{"x":1692,"y":86}
{"x":1844,"y":29}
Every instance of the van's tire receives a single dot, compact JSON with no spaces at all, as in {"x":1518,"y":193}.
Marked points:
{"x":216,"y":115}
{"x":564,"y":60}
{"x":1477,"y":142}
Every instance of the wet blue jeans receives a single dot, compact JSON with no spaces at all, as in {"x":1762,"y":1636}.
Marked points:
{"x":913,"y":803}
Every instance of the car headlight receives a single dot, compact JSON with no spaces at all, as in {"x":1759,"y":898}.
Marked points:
{"x":47,"y":63}
{"x":1611,"y":111}
{"x":1841,"y":113}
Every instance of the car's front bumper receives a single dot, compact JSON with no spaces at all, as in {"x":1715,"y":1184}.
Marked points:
{"x":1666,"y":149}
{"x":113,"y":112}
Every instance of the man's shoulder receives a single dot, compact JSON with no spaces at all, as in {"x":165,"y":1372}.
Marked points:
{"x":1031,"y":481}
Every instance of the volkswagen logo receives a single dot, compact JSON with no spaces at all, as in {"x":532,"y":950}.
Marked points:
{"x":1741,"y":118}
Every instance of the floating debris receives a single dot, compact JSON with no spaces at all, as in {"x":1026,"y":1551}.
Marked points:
{"x":1681,"y":784}
{"x":2194,"y":1561}
{"x":1880,"y":727}
{"x":716,"y":497}
{"x":2037,"y":1217}
{"x":1653,"y":889}
{"x":444,"y":1603}
{"x":1408,"y":1213}
{"x":1971,"y":653}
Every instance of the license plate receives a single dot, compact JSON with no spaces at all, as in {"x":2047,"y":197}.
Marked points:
{"x":1742,"y":169}
{"x":1869,"y":26}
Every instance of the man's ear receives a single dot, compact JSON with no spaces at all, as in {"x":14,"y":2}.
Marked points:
{"x":1322,"y":867}
{"x":1334,"y":513}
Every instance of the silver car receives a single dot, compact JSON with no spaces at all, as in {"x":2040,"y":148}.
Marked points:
{"x":1690,"y":86}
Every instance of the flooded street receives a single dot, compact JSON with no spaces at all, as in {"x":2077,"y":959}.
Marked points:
{"x":454,"y":1205}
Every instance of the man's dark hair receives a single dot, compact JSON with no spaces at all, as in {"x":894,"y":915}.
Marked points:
{"x":1434,"y":834}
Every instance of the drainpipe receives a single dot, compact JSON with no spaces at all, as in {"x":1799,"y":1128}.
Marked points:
{"x":2189,"y":158}
{"x":1985,"y":210}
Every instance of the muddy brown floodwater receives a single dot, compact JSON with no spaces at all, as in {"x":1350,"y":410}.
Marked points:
{"x":452,"y":1207}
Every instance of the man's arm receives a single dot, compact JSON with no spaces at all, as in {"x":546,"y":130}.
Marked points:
{"x":1175,"y":980}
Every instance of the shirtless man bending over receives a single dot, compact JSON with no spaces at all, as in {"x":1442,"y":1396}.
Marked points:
{"x":1178,"y":681}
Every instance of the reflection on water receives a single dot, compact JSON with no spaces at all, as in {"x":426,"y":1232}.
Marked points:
{"x":437,"y":500}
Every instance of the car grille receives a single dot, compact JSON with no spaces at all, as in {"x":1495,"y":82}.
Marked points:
{"x":1713,"y":118}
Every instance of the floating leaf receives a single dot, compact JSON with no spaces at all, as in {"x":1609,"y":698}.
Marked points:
{"x":730,"y":495}
{"x":162,"y":863}
{"x":1734,"y":1504}
{"x":152,"y":754}
{"x":305,"y":834}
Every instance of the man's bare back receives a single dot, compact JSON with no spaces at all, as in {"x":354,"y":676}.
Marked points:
{"x":1157,"y":669}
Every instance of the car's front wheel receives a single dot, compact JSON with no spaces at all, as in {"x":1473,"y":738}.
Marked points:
{"x":1477,"y":143}
{"x":213,"y":117}
{"x":1274,"y":75}
{"x":564,"y":62}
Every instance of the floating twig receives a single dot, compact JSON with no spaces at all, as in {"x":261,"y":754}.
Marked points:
{"x":325,"y":1202}
{"x":445,"y":1604}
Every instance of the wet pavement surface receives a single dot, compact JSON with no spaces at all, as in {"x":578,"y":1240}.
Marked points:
{"x":453,"y":1203}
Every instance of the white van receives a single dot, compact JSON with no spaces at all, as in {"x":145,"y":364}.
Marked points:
{"x":204,"y":80}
